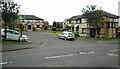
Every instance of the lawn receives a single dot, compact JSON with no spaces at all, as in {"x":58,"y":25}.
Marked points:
{"x":13,"y":43}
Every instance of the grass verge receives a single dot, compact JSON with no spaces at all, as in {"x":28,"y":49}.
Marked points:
{"x":99,"y":38}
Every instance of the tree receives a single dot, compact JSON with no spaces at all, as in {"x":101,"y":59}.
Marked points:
{"x":10,"y":12}
{"x":94,"y":17}
{"x":21,"y":27}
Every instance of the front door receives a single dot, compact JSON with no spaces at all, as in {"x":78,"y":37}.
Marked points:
{"x":29,"y":27}
{"x":92,"y":32}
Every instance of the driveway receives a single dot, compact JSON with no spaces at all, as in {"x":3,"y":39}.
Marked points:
{"x":55,"y":52}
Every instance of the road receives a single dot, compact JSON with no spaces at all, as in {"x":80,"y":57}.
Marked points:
{"x":55,"y":52}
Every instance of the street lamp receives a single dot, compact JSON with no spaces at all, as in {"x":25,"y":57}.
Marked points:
{"x":24,"y":14}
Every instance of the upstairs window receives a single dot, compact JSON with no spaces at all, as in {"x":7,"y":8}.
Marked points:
{"x":84,"y":21}
{"x":78,"y":21}
{"x":110,"y":25}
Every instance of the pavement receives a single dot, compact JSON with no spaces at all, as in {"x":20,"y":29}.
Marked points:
{"x":7,"y":48}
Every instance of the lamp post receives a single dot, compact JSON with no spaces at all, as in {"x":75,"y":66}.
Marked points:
{"x":24,"y":14}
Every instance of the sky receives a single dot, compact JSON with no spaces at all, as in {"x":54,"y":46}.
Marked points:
{"x":58,"y":10}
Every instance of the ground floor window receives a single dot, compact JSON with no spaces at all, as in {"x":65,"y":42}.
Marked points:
{"x":38,"y":26}
{"x":84,"y":30}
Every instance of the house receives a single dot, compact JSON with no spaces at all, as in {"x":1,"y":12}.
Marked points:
{"x":33,"y":23}
{"x":73,"y":23}
{"x":79,"y":24}
{"x":58,"y":25}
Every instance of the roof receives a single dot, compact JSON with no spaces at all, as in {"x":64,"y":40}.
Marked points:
{"x":31,"y":17}
{"x":82,"y":16}
{"x":110,"y":15}
{"x":73,"y":17}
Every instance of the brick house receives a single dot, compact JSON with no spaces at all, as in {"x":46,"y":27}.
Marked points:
{"x":79,"y":24}
{"x":32,"y":23}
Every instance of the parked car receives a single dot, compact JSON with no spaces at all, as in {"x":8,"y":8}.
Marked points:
{"x":66,"y":35}
{"x":13,"y":35}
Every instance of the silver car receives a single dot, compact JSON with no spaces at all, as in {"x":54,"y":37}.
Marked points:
{"x":13,"y":35}
{"x":66,"y":35}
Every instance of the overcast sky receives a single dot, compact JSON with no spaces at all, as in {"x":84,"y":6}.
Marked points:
{"x":58,"y":10}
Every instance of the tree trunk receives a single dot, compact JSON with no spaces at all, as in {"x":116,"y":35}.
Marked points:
{"x":97,"y":33}
{"x":5,"y":32}
{"x":20,"y":35}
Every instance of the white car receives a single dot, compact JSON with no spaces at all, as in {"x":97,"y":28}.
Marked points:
{"x":13,"y":35}
{"x":66,"y":35}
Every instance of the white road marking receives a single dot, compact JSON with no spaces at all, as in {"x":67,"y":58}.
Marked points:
{"x":52,"y":57}
{"x":86,"y":52}
{"x":3,"y":63}
{"x":92,"y":52}
{"x":116,"y":50}
{"x":44,"y":44}
{"x":112,"y":54}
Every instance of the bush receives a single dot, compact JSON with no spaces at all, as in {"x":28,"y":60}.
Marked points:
{"x":65,"y":29}
{"x":54,"y":29}
{"x":76,"y":34}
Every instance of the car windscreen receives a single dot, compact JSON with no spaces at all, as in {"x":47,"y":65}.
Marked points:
{"x":70,"y":34}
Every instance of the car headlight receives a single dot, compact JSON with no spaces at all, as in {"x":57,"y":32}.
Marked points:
{"x":24,"y":36}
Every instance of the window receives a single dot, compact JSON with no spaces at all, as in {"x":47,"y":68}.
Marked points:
{"x":110,"y":25}
{"x":39,"y":21}
{"x":72,"y":21}
{"x":78,"y":21}
{"x":115,"y":20}
{"x":68,"y":22}
{"x":84,"y":21}
{"x":84,"y":30}
{"x":38,"y":26}
{"x":8,"y":31}
{"x":114,"y":25}
{"x":75,"y":22}
{"x":16,"y":33}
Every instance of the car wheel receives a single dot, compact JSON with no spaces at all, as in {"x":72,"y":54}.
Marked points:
{"x":65,"y":38}
{"x":25,"y":40}
{"x":58,"y":37}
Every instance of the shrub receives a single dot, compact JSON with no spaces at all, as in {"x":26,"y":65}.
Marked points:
{"x":54,"y":29}
{"x":65,"y":29}
{"x":76,"y":34}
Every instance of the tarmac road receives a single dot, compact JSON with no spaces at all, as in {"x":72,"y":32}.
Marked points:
{"x":56,"y":52}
